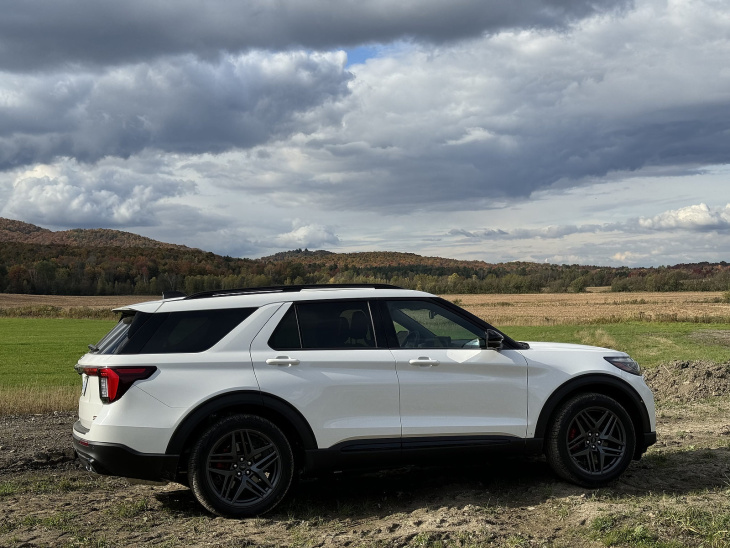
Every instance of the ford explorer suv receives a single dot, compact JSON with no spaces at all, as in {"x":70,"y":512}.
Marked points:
{"x":234,"y":392}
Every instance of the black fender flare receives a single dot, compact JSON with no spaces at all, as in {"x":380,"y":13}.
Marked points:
{"x":609,"y":385}
{"x":269,"y":405}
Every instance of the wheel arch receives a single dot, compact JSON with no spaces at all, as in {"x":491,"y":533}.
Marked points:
{"x":607,"y":385}
{"x":281,"y":413}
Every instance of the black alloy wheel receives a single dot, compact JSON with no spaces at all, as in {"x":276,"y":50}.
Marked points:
{"x":591,"y":440}
{"x":241,"y":466}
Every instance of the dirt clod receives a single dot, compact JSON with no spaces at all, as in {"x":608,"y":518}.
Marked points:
{"x":687,"y":381}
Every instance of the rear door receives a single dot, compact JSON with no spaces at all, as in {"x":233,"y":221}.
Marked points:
{"x":325,"y":359}
{"x":449,"y":386}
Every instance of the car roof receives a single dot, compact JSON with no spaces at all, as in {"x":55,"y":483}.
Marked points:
{"x":257,"y":297}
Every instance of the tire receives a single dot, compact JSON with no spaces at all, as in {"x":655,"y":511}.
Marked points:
{"x":591,"y":440}
{"x":242,"y":466}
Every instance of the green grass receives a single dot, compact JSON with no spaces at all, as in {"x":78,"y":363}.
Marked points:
{"x":648,"y":343}
{"x":42,"y":352}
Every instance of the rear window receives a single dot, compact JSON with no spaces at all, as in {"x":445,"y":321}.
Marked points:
{"x":171,"y":332}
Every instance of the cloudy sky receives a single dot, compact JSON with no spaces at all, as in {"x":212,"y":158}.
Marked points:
{"x":562,"y":131}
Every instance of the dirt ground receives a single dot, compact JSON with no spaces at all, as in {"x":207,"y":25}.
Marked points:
{"x":677,"y":495}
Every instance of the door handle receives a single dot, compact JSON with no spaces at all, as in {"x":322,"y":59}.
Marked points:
{"x":282,"y":360}
{"x":424,"y":361}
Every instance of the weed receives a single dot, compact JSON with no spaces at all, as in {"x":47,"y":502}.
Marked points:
{"x":129,"y":509}
{"x":7,"y":526}
{"x":712,"y":526}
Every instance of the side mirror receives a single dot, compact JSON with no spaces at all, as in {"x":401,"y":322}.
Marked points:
{"x":492,"y":340}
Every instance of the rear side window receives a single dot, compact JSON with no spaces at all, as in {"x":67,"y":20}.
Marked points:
{"x":325,"y":325}
{"x":173,"y":332}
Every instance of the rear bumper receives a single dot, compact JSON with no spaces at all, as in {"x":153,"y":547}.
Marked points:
{"x":113,"y":459}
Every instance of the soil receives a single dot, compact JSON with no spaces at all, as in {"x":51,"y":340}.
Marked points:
{"x":687,"y":381}
{"x":47,"y":499}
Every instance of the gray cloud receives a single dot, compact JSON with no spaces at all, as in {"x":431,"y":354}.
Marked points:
{"x":46,"y":33}
{"x":178,"y":105}
{"x":694,"y":218}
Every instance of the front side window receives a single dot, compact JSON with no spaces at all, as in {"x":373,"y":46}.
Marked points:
{"x":325,"y":325}
{"x":421,"y":324}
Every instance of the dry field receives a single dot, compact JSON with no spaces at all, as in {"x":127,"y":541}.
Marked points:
{"x":498,"y":309}
{"x":599,"y":307}
{"x":65,"y":302}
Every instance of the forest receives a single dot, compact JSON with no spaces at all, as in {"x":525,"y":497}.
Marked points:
{"x":64,"y":269}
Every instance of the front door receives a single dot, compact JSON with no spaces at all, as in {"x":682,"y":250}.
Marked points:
{"x":449,"y":386}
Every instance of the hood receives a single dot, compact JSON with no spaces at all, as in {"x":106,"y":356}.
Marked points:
{"x":568,"y":347}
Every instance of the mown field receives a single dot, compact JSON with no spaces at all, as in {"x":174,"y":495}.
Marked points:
{"x":677,"y":495}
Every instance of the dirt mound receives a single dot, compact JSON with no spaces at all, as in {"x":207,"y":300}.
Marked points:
{"x":687,"y":381}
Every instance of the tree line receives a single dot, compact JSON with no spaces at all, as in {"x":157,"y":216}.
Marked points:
{"x":75,"y":270}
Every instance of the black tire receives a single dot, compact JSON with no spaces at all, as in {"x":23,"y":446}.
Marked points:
{"x":591,"y":440}
{"x":242,"y":466}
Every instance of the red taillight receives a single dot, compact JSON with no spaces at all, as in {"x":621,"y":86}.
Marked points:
{"x":115,"y":381}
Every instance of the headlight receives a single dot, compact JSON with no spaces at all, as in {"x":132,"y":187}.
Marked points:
{"x":625,"y":363}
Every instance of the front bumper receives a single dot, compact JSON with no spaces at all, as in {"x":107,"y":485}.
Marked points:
{"x":648,"y":440}
{"x":114,"y":459}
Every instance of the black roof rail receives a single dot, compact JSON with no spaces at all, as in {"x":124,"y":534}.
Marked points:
{"x":285,"y":289}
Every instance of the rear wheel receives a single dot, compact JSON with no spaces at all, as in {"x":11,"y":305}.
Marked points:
{"x":241,"y":466}
{"x":591,"y":441}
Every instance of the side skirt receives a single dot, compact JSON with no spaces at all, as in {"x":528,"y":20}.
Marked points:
{"x":385,"y":453}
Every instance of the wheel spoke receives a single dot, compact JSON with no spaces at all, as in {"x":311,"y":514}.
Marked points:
{"x":259,"y":451}
{"x":613,"y":451}
{"x":577,"y":443}
{"x":610,"y":425}
{"x":584,"y":422}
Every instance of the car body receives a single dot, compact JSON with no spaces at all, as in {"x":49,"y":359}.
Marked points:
{"x":233,"y":392}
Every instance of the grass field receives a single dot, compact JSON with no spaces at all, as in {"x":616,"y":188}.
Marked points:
{"x":37,"y":356}
{"x":37,"y":352}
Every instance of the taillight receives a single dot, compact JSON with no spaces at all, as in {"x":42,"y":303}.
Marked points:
{"x":115,"y":381}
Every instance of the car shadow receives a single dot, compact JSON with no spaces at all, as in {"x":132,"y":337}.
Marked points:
{"x":508,"y":482}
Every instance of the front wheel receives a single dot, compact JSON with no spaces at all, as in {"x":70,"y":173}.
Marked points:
{"x":591,"y":440}
{"x":242,"y":466}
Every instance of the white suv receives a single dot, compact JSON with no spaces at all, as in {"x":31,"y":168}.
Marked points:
{"x":233,"y":392}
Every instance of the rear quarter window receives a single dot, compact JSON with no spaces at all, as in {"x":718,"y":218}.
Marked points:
{"x":177,"y":332}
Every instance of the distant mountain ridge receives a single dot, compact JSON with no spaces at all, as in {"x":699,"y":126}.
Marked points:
{"x":113,"y":262}
{"x":26,"y":233}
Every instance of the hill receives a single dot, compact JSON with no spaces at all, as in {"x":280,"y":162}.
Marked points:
{"x":112,"y":262}
{"x":20,"y":232}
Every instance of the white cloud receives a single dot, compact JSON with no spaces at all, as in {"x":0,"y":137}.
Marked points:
{"x":306,"y":236}
{"x":698,"y":217}
{"x":64,"y":195}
